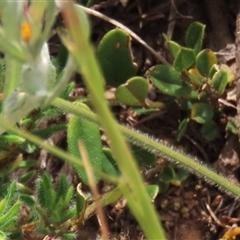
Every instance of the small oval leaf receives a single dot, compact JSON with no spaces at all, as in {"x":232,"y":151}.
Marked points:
{"x":168,"y":80}
{"x":185,"y":59}
{"x":201,"y":112}
{"x":173,"y":48}
{"x":210,"y":130}
{"x":133,"y":92}
{"x":204,"y":61}
{"x":115,"y":57}
{"x":194,"y":36}
{"x":219,"y":81}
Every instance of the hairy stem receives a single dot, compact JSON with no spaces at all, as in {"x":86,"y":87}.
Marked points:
{"x":193,"y":165}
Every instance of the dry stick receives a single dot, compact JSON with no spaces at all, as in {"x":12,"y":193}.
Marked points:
{"x":237,"y":78}
{"x":93,"y":186}
{"x":131,"y":33}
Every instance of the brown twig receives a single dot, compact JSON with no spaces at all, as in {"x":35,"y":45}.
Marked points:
{"x":93,"y":186}
{"x":131,"y":33}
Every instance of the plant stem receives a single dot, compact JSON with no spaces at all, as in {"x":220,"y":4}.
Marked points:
{"x":191,"y":164}
{"x":86,"y":61}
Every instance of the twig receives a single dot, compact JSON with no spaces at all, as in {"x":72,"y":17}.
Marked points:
{"x":121,"y":26}
{"x":92,"y":184}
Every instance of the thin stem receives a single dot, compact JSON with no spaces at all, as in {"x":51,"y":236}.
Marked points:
{"x":152,"y":145}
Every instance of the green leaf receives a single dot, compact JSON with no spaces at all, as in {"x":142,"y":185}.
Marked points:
{"x":204,"y":61}
{"x":108,"y":166}
{"x":3,"y":236}
{"x":153,"y":191}
{"x":108,"y":154}
{"x":143,"y":157}
{"x":28,"y":200}
{"x":115,"y":57}
{"x":27,"y":177}
{"x":145,"y":111}
{"x":11,"y":194}
{"x":232,"y":127}
{"x":133,"y":92}
{"x":210,"y":131}
{"x":219,"y":81}
{"x":12,"y":212}
{"x":2,"y":205}
{"x":63,"y":186}
{"x":49,"y":191}
{"x":61,"y":59}
{"x":80,"y":128}
{"x":182,"y":128}
{"x":213,"y":70}
{"x":173,"y":48}
{"x":182,"y":174}
{"x":167,"y":79}
{"x":168,"y":174}
{"x":15,"y":235}
{"x":195,"y":76}
{"x":201,"y":112}
{"x":185,"y":59}
{"x":46,"y":192}
{"x":194,"y":36}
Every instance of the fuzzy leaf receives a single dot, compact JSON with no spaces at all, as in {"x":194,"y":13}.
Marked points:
{"x":194,"y":36}
{"x":219,"y":81}
{"x":173,"y":48}
{"x":115,"y":57}
{"x":182,"y":128}
{"x":27,"y":177}
{"x":201,"y":112}
{"x":63,"y":186}
{"x":12,"y":212}
{"x":204,"y":61}
{"x":185,"y":59}
{"x":80,"y":128}
{"x":133,"y":92}
{"x":28,"y":200}
{"x":167,"y":79}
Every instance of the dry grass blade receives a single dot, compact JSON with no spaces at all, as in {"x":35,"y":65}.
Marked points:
{"x":93,"y":186}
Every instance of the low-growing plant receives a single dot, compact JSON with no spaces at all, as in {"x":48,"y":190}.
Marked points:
{"x":34,"y":80}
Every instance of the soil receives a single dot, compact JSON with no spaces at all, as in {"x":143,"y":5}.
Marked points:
{"x":195,"y":210}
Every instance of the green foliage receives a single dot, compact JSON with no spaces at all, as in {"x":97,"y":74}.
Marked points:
{"x":194,"y":81}
{"x":115,"y":57}
{"x":79,"y":128}
{"x":170,"y":176}
{"x":10,"y":214}
{"x":144,"y":158}
{"x":133,"y":92}
{"x":167,"y":79}
{"x":194,"y":36}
